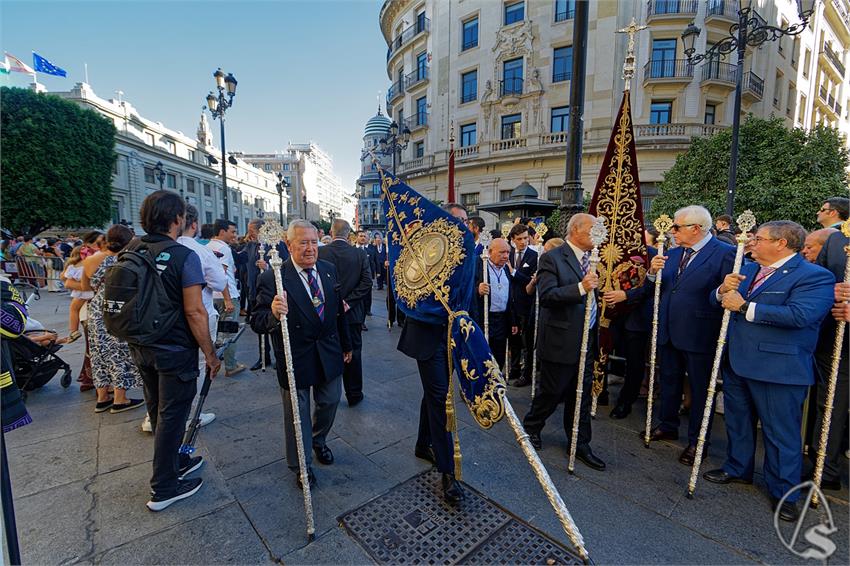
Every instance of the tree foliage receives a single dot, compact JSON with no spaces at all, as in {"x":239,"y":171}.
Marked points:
{"x":57,"y":162}
{"x":783,"y":174}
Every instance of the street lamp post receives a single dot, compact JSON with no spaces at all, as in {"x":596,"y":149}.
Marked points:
{"x":159,"y":173}
{"x":395,"y":142}
{"x":218,"y":105}
{"x":282,"y":185}
{"x":750,"y":30}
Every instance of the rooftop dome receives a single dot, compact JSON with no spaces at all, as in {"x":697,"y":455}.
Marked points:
{"x":378,"y":125}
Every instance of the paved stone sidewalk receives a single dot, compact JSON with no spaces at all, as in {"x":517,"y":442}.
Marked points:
{"x":81,"y":480}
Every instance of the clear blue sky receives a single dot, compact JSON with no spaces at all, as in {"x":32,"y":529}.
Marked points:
{"x":307,"y":69}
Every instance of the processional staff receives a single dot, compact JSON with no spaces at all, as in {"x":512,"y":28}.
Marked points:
{"x":598,"y":233}
{"x":485,"y":277}
{"x":262,"y":255}
{"x":833,"y":378}
{"x":541,"y":231}
{"x":663,"y":224}
{"x":746,"y":222}
{"x":272,"y":234}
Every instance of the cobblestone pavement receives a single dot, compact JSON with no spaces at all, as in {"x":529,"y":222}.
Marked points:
{"x":81,"y":479}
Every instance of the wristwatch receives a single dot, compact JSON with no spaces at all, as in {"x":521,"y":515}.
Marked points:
{"x":743,"y":308}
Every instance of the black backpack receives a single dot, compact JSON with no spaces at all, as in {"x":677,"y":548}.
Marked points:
{"x":136,"y":307}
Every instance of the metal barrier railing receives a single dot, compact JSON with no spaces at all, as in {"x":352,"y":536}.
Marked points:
{"x":38,"y":272}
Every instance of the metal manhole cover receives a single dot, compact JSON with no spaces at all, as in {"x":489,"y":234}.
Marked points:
{"x":411,"y":524}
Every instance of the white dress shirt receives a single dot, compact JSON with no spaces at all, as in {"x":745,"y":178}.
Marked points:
{"x":229,"y":265}
{"x":214,"y":274}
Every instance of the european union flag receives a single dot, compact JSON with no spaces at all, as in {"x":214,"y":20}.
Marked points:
{"x":42,"y":65}
{"x":432,"y":270}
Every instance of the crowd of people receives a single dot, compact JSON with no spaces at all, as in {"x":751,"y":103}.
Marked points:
{"x":784,"y":306}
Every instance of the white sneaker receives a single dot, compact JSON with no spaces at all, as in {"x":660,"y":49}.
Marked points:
{"x":146,"y":424}
{"x":203,"y":420}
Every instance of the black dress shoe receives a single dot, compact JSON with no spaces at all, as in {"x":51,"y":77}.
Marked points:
{"x":324,"y":455}
{"x":688,"y":455}
{"x":721,"y":477}
{"x":352,"y":401}
{"x":602,"y":400}
{"x":364,"y":328}
{"x":256,"y":366}
{"x":788,"y":511}
{"x":425,"y":453}
{"x":452,"y":491}
{"x":620,"y":412}
{"x":658,"y":434}
{"x":534,"y":438}
{"x":311,"y":477}
{"x":588,"y":459}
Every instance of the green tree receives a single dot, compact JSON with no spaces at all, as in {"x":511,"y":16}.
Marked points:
{"x":783,"y":174}
{"x":57,"y":162}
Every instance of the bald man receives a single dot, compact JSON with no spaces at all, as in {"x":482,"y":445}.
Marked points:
{"x":502,"y":312}
{"x":565,"y":284}
{"x":814,"y":243}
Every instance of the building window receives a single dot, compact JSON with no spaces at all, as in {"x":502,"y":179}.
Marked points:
{"x":777,"y":90}
{"x":660,"y":112}
{"x":208,"y":217}
{"x":512,"y":77}
{"x":553,"y":194}
{"x":190,"y":185}
{"x":422,"y":111}
{"x":149,"y":176}
{"x":505,"y":195}
{"x":469,"y":86}
{"x":710,"y":114}
{"x":514,"y":13}
{"x":807,"y":62}
{"x":400,"y":116}
{"x":420,"y":22}
{"x":267,"y":167}
{"x":789,"y":100}
{"x":565,"y":10}
{"x":468,"y":135}
{"x":171,"y":181}
{"x":419,"y":149}
{"x":422,"y":66}
{"x":663,"y":58}
{"x":511,"y":126}
{"x":802,"y":117}
{"x":795,"y":53}
{"x":470,"y":34}
{"x":171,"y":147}
{"x":207,"y":190}
{"x":781,"y":41}
{"x":191,"y":155}
{"x":470,"y":202}
{"x":560,"y":119}
{"x":562,"y":64}
{"x":376,"y":190}
{"x":148,"y":138}
{"x":286,"y":166}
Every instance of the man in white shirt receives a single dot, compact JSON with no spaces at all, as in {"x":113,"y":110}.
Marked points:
{"x":225,"y":301}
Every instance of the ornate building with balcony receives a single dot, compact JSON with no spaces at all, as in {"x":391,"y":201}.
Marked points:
{"x":370,"y":212}
{"x":497,"y":74}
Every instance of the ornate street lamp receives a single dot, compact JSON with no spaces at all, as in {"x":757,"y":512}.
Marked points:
{"x":218,"y":105}
{"x":159,"y":173}
{"x":750,"y":30}
{"x":395,"y":142}
{"x":282,"y":186}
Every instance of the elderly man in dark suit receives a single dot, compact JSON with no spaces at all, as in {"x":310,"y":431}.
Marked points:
{"x":523,"y":259}
{"x":778,"y":304}
{"x":500,"y":290}
{"x":355,"y":280}
{"x":318,"y":337}
{"x":688,"y":323}
{"x":565,"y":284}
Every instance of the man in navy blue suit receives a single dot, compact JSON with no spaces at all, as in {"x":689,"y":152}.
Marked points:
{"x":523,"y":259}
{"x":688,"y":324}
{"x":778,"y":305}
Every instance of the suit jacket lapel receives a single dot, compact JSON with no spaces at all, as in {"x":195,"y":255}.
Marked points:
{"x":701,"y":257}
{"x":777,"y":275}
{"x":570,"y":256}
{"x":294,"y":286}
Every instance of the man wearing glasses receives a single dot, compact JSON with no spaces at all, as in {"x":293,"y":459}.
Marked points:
{"x":688,"y":324}
{"x":833,"y":212}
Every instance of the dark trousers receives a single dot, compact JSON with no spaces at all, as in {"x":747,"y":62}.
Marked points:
{"x":367,"y":302}
{"x":499,"y":331}
{"x":314,"y":429}
{"x":673,"y":365}
{"x":779,"y":407}
{"x":393,"y":314}
{"x":352,"y":373}
{"x":522,"y":348}
{"x":434,"y":374}
{"x":558,"y":385}
{"x":839,"y":421}
{"x":634,"y":345}
{"x":381,"y":278}
{"x":170,"y":380}
{"x":267,"y":346}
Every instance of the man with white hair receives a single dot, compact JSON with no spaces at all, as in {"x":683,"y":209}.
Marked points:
{"x":688,"y":323}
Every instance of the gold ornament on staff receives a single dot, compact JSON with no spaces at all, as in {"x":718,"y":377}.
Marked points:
{"x":746,"y":222}
{"x":485,"y":259}
{"x":663,"y":224}
{"x":272,"y":235}
{"x":542,"y":229}
{"x":840,"y":328}
{"x":598,"y":233}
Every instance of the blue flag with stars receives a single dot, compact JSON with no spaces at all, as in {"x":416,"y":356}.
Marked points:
{"x":42,"y":65}
{"x":432,"y":271}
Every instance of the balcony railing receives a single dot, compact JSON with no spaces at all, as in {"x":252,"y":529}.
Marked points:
{"x":418,"y":120}
{"x":834,"y":59}
{"x":829,"y":100}
{"x":668,"y":69}
{"x":566,"y":12}
{"x":672,"y":7}
{"x":553,"y":139}
{"x":720,"y":72}
{"x":468,"y":151}
{"x":418,"y":76}
{"x":395,"y":90}
{"x":510,"y":87}
{"x":753,"y":84}
{"x":504,"y":145}
{"x":562,"y":76}
{"x":722,"y":8}
{"x":684,"y":131}
{"x":423,"y":25}
{"x":468,"y":97}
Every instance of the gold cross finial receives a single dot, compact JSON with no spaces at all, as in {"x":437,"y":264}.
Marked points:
{"x":629,"y":64}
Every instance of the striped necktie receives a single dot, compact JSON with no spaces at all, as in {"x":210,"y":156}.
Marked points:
{"x":763,"y":274}
{"x":686,"y":259}
{"x":585,"y":267}
{"x":316,"y":294}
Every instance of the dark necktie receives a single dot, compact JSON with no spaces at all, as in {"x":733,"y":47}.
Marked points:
{"x":518,"y":261}
{"x":316,"y":294}
{"x":686,"y":259}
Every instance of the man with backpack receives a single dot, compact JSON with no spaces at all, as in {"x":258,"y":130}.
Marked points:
{"x":154,"y":302}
